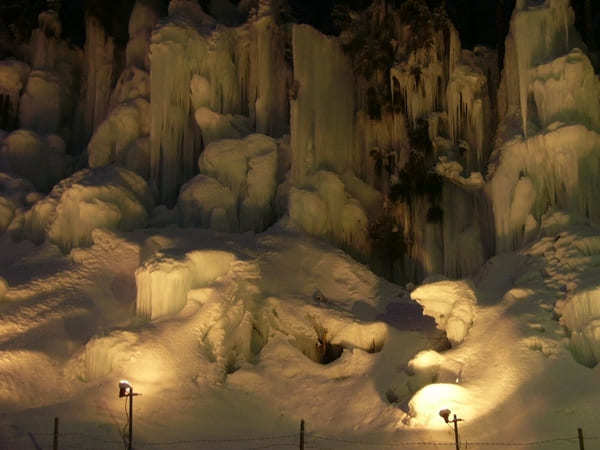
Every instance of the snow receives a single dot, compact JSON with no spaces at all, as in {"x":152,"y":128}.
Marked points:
{"x":13,"y":77}
{"x":215,"y":126}
{"x":451,"y":304}
{"x":108,"y":197}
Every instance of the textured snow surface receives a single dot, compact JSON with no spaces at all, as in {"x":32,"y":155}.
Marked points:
{"x":109,"y":197}
{"x":235,"y":334}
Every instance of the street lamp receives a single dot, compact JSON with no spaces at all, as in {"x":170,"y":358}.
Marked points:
{"x":126,"y":390}
{"x":445,"y":413}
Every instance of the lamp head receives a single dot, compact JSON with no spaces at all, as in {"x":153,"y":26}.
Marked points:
{"x":445,"y":413}
{"x":125,"y":389}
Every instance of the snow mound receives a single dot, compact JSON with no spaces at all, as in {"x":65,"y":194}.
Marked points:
{"x":325,"y":208}
{"x":122,"y":138}
{"x":237,"y":185}
{"x":581,"y":315}
{"x":206,"y":203}
{"x":215,"y":126}
{"x":43,"y":103}
{"x":16,"y":194}
{"x":451,"y":304}
{"x":109,"y":197}
{"x":101,"y":354}
{"x":23,"y":152}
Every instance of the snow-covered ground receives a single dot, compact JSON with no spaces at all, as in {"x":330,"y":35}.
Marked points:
{"x":237,"y":358}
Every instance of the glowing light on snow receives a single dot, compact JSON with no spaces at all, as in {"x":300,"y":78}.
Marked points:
{"x":426,"y":404}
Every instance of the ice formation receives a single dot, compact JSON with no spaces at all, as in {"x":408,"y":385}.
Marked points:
{"x":324,"y":207}
{"x":165,"y":279}
{"x":16,"y":195}
{"x":100,"y":69}
{"x":469,"y":108}
{"x":23,"y":152}
{"x":451,"y":304}
{"x":217,"y":66}
{"x":42,"y":106}
{"x":237,"y":184}
{"x":322,"y":114}
{"x":552,"y":21}
{"x":120,"y":138}
{"x":423,"y":76}
{"x":13,"y":78}
{"x":108,"y":197}
{"x":143,"y":18}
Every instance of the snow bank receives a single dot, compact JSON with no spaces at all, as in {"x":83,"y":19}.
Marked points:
{"x":451,"y":304}
{"x":23,"y":152}
{"x":109,"y":197}
{"x":239,"y":178}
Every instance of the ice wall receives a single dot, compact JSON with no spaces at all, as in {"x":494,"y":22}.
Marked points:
{"x":100,"y":72}
{"x":322,"y":112}
{"x":223,"y":72}
{"x":143,"y":18}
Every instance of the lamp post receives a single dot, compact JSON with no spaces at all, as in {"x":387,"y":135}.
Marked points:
{"x":126,"y":390}
{"x":445,"y":413}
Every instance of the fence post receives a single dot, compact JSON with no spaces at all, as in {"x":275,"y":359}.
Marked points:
{"x":302,"y":434}
{"x":55,"y":440}
{"x":580,"y":435}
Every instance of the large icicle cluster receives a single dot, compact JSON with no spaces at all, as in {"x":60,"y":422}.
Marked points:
{"x":423,"y":76}
{"x":469,"y":105}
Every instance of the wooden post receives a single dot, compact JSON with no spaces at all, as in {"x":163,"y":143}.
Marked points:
{"x":302,"y":434}
{"x":580,"y":435}
{"x":456,"y":432}
{"x":55,"y":440}
{"x":130,"y":420}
